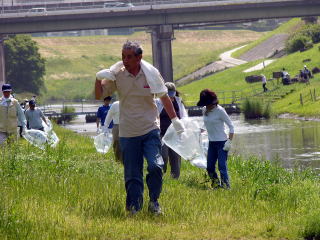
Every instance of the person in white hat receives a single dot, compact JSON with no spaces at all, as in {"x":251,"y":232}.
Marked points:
{"x":10,"y":113}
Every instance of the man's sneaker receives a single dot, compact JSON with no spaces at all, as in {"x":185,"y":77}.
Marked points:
{"x":132,"y":211}
{"x":154,"y":207}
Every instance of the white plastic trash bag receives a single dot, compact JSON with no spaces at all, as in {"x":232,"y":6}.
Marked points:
{"x":187,"y":144}
{"x":37,"y":138}
{"x":103,"y":142}
{"x":47,"y":127}
{"x":51,"y":135}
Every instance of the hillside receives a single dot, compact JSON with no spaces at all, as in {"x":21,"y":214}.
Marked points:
{"x":234,"y":80}
{"x":73,"y":61}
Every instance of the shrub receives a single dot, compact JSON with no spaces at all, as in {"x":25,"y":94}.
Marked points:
{"x":297,"y":43}
{"x":67,"y":109}
{"x":256,"y":109}
{"x":303,"y":38}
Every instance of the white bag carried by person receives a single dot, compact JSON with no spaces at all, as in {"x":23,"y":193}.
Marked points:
{"x":36,"y":137}
{"x":103,"y":142}
{"x":187,"y":144}
{"x":52,"y":136}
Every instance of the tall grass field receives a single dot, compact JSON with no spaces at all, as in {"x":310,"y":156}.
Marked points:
{"x":73,"y":192}
{"x":73,"y":61}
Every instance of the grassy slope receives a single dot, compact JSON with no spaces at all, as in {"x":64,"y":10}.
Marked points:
{"x":73,"y":61}
{"x":76,"y":193}
{"x":234,"y":79}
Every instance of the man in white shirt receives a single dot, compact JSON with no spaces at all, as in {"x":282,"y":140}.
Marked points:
{"x":10,"y":114}
{"x":264,"y":82}
{"x":137,"y":83}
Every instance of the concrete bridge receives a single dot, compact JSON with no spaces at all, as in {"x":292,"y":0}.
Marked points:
{"x":161,"y":19}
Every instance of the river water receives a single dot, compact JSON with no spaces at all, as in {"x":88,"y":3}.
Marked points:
{"x":293,"y":143}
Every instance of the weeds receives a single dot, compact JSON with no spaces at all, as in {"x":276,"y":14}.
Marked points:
{"x":72,"y":192}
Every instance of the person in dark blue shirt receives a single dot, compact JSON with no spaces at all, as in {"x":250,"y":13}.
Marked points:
{"x":102,"y":112}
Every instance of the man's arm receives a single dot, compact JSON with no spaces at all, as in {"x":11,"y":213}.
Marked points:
{"x":42,"y":117}
{"x":98,"y":89}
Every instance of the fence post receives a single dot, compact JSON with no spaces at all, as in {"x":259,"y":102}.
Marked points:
{"x":301,"y":100}
{"x":311,"y":95}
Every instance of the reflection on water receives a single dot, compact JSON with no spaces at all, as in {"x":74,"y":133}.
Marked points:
{"x":293,"y":143}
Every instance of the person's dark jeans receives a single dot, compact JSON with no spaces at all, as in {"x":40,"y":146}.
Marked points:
{"x":216,"y":153}
{"x":264,"y":87}
{"x":134,"y":149}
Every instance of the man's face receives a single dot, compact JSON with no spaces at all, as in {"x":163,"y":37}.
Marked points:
{"x":130,"y":60}
{"x":106,"y":102}
{"x":6,"y":94}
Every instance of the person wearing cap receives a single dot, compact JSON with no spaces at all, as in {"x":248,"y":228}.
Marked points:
{"x":34,"y":117}
{"x":102,"y":113}
{"x":10,"y":114}
{"x":167,"y":153}
{"x":113,"y":116}
{"x":137,"y":83}
{"x":215,"y":118}
{"x":305,"y":74}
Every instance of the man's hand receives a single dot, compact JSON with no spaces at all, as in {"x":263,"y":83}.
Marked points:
{"x":178,"y":125}
{"x":227,"y":145}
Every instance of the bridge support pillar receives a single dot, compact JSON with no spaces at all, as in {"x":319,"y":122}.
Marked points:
{"x":161,"y":37}
{"x":2,"y":62}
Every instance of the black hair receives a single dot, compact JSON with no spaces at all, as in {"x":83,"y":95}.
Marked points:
{"x":107,"y":98}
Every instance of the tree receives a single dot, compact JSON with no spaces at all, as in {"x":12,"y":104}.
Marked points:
{"x":25,"y":67}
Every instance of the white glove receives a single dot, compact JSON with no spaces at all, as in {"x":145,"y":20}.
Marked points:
{"x":227,"y":145}
{"x":178,"y":125}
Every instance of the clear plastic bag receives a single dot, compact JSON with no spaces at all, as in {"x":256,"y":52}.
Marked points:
{"x":187,"y":144}
{"x":52,"y":136}
{"x":103,"y":142}
{"x":37,"y":138}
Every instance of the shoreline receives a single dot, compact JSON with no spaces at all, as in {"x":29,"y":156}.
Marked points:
{"x":296,"y":117}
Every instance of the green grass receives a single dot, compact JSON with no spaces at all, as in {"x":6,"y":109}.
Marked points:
{"x":289,"y":96}
{"x":73,"y":61}
{"x":72,"y":192}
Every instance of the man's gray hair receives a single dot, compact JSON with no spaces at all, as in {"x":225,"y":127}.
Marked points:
{"x":136,"y":47}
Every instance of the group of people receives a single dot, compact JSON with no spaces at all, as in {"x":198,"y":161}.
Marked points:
{"x":304,"y":76}
{"x":147,"y":106}
{"x":14,"y":115}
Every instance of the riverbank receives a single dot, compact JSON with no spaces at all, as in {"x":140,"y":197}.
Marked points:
{"x":72,"y":192}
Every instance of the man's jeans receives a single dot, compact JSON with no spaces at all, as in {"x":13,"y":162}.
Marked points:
{"x":216,"y":152}
{"x":133,"y":150}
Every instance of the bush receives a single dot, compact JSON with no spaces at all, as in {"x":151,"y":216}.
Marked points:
{"x":256,"y":109}
{"x":303,"y":38}
{"x":67,"y":109}
{"x":297,"y":43}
